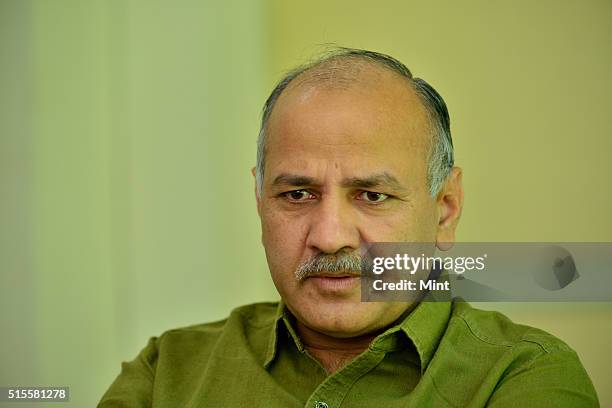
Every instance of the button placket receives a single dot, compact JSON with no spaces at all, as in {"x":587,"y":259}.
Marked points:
{"x":338,"y":384}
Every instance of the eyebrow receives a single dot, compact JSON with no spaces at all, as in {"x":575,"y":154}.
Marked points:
{"x":375,"y":180}
{"x":285,"y":179}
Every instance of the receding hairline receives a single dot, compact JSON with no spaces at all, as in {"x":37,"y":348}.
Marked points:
{"x":340,"y":70}
{"x":349,"y":72}
{"x":345,"y":71}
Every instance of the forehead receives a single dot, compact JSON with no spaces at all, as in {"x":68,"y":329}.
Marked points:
{"x":375,"y":118}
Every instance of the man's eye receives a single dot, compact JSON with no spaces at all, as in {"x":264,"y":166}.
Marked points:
{"x":372,"y":197}
{"x":298,"y":195}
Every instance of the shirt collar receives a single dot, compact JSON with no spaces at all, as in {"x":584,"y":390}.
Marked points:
{"x":282,"y":318}
{"x":424,"y":326}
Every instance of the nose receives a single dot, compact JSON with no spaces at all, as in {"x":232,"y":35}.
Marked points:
{"x":333,"y":226}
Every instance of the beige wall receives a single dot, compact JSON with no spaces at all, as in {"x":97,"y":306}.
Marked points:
{"x":529,"y":91}
{"x":127,"y":132}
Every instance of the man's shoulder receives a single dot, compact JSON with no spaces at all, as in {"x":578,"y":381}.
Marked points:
{"x":245,"y":331}
{"x":516,"y":364}
{"x":496,"y":329}
{"x":185,"y":355}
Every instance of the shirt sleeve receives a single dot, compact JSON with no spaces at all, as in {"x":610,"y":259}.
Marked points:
{"x":133,"y":387}
{"x":553,"y":379}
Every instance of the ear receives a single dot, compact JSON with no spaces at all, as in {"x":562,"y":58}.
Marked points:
{"x":449,"y":203}
{"x":257,"y":198}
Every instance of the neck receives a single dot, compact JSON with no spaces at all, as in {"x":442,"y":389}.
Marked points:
{"x":333,"y":353}
{"x":315,"y":339}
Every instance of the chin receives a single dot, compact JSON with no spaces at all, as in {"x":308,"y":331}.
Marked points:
{"x":340,"y":319}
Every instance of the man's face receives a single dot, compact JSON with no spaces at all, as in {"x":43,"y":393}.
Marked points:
{"x":343,"y":167}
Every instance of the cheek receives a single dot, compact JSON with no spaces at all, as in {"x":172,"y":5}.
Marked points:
{"x":409,"y":225}
{"x":282,"y":241}
{"x":275,"y":230}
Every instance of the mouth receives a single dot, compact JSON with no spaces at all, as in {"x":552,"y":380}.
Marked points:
{"x":335,"y":284}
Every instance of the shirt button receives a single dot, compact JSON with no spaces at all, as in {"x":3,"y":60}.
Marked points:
{"x":320,"y":404}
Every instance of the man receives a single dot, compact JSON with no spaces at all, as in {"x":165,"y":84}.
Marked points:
{"x":353,"y":150}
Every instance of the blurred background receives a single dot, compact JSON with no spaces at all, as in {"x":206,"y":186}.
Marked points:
{"x":127,"y":134}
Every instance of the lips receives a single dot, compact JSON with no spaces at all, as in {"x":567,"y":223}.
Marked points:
{"x":336,"y":275}
{"x":335,"y":284}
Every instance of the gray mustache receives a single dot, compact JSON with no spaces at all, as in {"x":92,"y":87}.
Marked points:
{"x":330,"y":264}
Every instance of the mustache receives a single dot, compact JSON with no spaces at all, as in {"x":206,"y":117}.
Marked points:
{"x":331,"y":264}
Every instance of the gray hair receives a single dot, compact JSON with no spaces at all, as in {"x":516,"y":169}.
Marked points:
{"x":440,"y":155}
{"x":338,"y":263}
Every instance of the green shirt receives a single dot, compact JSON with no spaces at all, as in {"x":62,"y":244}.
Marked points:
{"x":443,"y":354}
